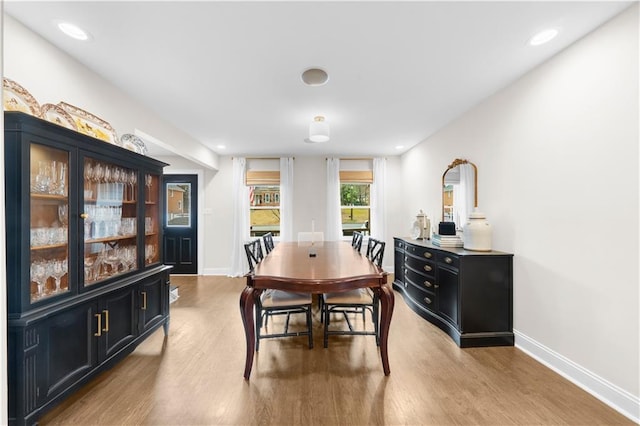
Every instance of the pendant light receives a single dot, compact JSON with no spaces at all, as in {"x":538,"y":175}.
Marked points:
{"x":319,"y":130}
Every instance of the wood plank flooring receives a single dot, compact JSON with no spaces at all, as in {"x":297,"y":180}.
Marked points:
{"x":194,"y":377}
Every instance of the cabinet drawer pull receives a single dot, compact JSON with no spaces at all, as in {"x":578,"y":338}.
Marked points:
{"x":99,"y":333}
{"x":448,"y":259}
{"x":427,"y":284}
{"x":427,"y":300}
{"x":427,"y":268}
{"x":106,"y":321}
{"x":144,"y":300}
{"x":84,"y":215}
{"x":436,"y":286}
{"x":427,"y":254}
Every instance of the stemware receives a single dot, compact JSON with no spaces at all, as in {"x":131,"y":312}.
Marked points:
{"x":133,"y":179}
{"x":58,"y":270}
{"x":39,"y":276}
{"x":63,"y":214}
{"x":148,"y":181}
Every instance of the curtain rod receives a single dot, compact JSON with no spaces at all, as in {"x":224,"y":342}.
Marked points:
{"x":262,"y":158}
{"x":356,"y":158}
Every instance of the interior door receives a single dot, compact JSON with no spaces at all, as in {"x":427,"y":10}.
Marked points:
{"x":181,"y":223}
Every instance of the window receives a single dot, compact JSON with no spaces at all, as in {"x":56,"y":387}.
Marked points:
{"x":264,"y":202}
{"x":355,"y":189}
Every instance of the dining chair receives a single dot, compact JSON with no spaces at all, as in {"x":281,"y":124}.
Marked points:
{"x":355,"y":301}
{"x":268,"y":242}
{"x":356,"y":240}
{"x":277,"y":302}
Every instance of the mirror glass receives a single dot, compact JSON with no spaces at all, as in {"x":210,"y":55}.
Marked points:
{"x":459,"y":191}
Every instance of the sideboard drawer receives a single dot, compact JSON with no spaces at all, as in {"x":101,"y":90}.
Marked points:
{"x":449,"y":260}
{"x":420,"y":280}
{"x":421,"y":266}
{"x":420,"y":252}
{"x":425,"y":298}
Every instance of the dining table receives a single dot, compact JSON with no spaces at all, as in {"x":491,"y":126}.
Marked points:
{"x":316,"y":268}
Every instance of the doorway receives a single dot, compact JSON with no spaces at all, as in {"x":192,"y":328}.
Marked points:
{"x":181,"y":223}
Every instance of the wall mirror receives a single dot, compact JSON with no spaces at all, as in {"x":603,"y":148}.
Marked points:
{"x":459,"y":191}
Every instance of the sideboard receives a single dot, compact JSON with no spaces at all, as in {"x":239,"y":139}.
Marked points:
{"x":467,"y":294}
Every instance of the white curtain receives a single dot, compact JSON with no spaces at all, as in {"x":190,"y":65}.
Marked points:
{"x":378,"y":225}
{"x":463,"y":195}
{"x":286,"y":199}
{"x":239,"y":265}
{"x":334,"y":219}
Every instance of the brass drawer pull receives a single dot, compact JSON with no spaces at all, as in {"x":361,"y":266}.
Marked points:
{"x":427,"y":254}
{"x":427,"y":300}
{"x":144,"y":300}
{"x":99,"y":333}
{"x":427,"y":268}
{"x":84,"y":215}
{"x":427,"y":284}
{"x":106,"y":321}
{"x":448,"y":259}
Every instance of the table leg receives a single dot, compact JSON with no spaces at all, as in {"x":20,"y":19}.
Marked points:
{"x":247,"y":302}
{"x":387,"y":300}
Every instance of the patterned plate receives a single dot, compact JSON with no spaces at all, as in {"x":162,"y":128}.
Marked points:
{"x":57,"y":115}
{"x":133,"y":143}
{"x":17,"y":98}
{"x":91,"y":125}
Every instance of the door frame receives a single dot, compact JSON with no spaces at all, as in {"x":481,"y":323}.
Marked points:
{"x":199,"y":207}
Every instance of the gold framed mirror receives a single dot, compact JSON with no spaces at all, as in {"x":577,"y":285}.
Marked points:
{"x":459,"y":191}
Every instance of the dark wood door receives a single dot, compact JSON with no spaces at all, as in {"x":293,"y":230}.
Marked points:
{"x":181,"y":223}
{"x":152,"y":302}
{"x":119,"y":322}
{"x":448,"y":295}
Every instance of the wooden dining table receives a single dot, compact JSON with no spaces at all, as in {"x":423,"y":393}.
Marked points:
{"x":316,"y":268}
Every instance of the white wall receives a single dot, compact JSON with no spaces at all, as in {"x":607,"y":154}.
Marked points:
{"x":557,"y":157}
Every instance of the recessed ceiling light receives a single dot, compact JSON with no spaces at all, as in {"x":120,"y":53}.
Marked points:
{"x":543,"y":36}
{"x":315,"y":77}
{"x":221,"y":147}
{"x":399,"y":147}
{"x":73,"y":31}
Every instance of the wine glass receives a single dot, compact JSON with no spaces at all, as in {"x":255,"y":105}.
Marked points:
{"x":148,"y":181}
{"x":58,"y":270}
{"x":63,"y":214}
{"x":39,"y":276}
{"x":149,"y":252}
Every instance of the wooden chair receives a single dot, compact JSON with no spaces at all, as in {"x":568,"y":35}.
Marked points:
{"x":277,"y":302}
{"x":268,"y":242}
{"x":355,"y":301}
{"x":356,"y":240}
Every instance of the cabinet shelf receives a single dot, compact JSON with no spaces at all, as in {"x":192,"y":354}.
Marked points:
{"x":114,"y":202}
{"x":49,"y":246}
{"x":109,"y":239}
{"x":39,"y":196}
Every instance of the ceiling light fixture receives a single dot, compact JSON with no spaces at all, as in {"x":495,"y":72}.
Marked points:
{"x":315,"y":77}
{"x":543,"y":36}
{"x":319,"y":130}
{"x":73,"y":31}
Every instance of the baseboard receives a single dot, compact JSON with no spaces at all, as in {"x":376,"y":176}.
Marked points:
{"x":216,"y":271}
{"x":615,"y":397}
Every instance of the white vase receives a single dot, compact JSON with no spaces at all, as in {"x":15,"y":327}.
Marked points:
{"x":477,"y":232}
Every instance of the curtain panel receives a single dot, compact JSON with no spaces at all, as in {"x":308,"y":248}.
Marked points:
{"x":333,"y":230}
{"x":239,"y":264}
{"x":286,"y":199}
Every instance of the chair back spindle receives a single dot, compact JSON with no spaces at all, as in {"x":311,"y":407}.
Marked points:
{"x":254,"y":253}
{"x":375,"y":251}
{"x":268,"y":242}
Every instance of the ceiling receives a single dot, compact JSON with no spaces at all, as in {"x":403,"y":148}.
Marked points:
{"x":229,"y":73}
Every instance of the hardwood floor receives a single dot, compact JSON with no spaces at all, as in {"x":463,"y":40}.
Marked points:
{"x":194,"y":377}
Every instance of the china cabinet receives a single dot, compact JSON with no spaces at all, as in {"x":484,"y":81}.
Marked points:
{"x":469,"y":295}
{"x":84,"y":248}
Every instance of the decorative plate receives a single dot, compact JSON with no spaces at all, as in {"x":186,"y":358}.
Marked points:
{"x":17,"y":98}
{"x":90,"y":125}
{"x":133,"y":143}
{"x":57,"y":115}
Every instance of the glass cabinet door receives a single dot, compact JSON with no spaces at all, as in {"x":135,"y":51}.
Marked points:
{"x":110,"y":220}
{"x":151,"y":219}
{"x":49,"y":222}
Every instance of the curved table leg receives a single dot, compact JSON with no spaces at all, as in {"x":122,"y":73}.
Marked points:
{"x":387,"y":300}
{"x":247,"y":302}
